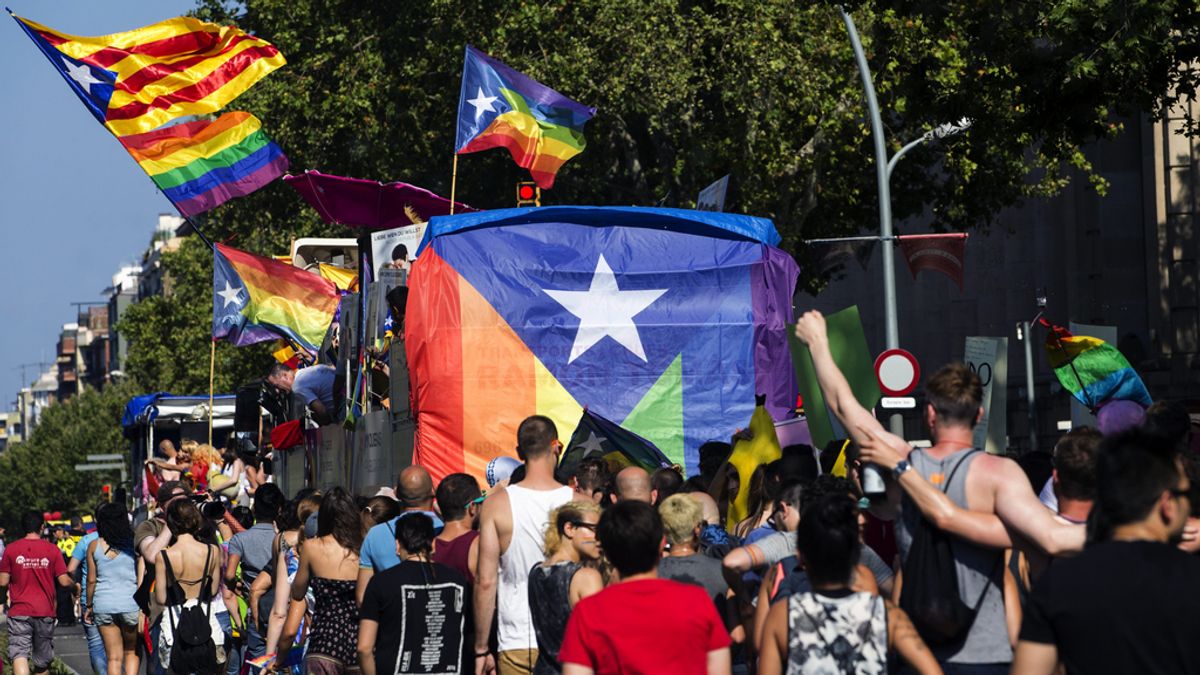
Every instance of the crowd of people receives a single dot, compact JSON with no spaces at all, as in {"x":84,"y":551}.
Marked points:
{"x":957,"y":567}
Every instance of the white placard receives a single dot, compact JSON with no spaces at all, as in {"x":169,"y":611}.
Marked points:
{"x":988,"y":357}
{"x":712,"y":198}
{"x":384,"y":242}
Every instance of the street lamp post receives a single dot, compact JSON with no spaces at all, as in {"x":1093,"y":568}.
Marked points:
{"x":883,"y":173}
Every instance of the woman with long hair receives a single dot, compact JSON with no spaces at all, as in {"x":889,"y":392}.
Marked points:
{"x":329,"y":564}
{"x":562,"y":579}
{"x":187,"y":574}
{"x":111,"y":583}
{"x":287,"y":562}
{"x":205,"y":461}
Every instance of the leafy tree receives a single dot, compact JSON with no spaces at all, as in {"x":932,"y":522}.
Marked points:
{"x":39,"y":473}
{"x":688,"y":91}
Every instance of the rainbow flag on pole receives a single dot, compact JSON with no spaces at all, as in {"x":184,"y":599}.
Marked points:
{"x":200,"y":165}
{"x":138,"y":80}
{"x":501,"y":108}
{"x":256,"y":299}
{"x":1092,"y":370}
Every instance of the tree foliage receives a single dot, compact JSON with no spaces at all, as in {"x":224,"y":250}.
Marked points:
{"x":39,"y":473}
{"x":688,"y":91}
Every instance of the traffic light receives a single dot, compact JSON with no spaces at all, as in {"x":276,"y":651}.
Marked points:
{"x":106,"y":492}
{"x":528,"y":194}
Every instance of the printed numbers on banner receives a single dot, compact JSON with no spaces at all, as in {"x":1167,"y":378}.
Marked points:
{"x":984,"y":371}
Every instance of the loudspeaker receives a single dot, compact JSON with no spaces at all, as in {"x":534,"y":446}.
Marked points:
{"x":247,"y":407}
{"x":348,"y":329}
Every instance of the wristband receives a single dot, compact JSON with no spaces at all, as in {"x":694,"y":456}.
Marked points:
{"x":481,"y":654}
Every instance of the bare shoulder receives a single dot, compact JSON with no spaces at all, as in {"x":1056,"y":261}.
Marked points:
{"x":496,"y":510}
{"x":998,"y":470}
{"x":588,"y":575}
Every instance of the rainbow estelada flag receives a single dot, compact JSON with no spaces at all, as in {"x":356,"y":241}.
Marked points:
{"x":137,"y":80}
{"x":201,"y":165}
{"x":501,"y":108}
{"x":257,"y":299}
{"x":665,"y":321}
{"x":1092,"y":370}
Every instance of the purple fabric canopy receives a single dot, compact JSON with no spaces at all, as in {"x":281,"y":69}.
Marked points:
{"x":367,"y":203}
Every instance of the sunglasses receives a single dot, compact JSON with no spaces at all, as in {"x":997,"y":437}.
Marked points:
{"x":586,"y":526}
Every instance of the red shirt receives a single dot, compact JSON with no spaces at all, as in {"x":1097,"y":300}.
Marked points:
{"x":646,"y":626}
{"x":34,"y":565}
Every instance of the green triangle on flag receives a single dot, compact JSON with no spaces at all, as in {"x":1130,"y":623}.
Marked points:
{"x":658,"y":417}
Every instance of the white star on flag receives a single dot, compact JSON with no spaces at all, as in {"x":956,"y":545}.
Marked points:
{"x":592,"y":445}
{"x":233,"y":296}
{"x":482,"y":103}
{"x":82,"y":75}
{"x":605,"y":310}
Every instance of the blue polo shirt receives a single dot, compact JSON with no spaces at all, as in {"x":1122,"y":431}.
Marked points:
{"x":379,"y":546}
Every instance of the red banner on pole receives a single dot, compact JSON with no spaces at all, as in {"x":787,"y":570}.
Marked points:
{"x":945,"y":253}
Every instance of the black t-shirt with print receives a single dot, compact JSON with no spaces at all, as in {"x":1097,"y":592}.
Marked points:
{"x":425,"y":619}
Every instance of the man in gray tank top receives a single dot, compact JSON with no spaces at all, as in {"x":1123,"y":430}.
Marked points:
{"x":977,"y":502}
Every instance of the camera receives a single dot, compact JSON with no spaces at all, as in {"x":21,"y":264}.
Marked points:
{"x":212,"y":510}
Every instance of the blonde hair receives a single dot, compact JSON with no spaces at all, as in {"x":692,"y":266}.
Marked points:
{"x":208,"y":454}
{"x":680,"y":515}
{"x":557,"y":522}
{"x":189,"y":446}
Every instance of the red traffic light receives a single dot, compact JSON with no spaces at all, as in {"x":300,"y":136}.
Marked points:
{"x":525,"y":191}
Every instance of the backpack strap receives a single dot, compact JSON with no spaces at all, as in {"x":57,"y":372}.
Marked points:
{"x":1000,"y":554}
{"x":950,"y":476}
{"x":206,"y":581}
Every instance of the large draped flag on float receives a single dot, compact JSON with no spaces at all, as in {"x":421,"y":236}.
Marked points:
{"x":201,"y":165}
{"x":665,"y":321}
{"x":257,"y":299}
{"x":501,"y":108}
{"x":1093,"y":370}
{"x":138,"y":80}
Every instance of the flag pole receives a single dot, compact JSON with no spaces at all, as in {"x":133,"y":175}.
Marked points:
{"x":212,"y":374}
{"x":453,"y":182}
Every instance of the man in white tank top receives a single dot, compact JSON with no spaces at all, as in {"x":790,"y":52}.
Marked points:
{"x":511,"y":528}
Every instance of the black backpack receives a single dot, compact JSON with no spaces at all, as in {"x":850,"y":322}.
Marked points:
{"x":930,"y":594}
{"x":194,"y":650}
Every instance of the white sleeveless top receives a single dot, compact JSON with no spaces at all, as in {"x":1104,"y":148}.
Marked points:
{"x":530,"y":513}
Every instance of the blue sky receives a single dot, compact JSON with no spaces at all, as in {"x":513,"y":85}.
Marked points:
{"x":73,"y":206}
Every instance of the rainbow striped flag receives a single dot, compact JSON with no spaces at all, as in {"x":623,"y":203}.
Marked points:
{"x":517,"y":312}
{"x":201,"y":165}
{"x":1092,"y":370}
{"x":138,"y":80}
{"x":256,"y":299}
{"x":501,"y":108}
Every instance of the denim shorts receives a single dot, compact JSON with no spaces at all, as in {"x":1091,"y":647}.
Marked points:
{"x":120,"y":618}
